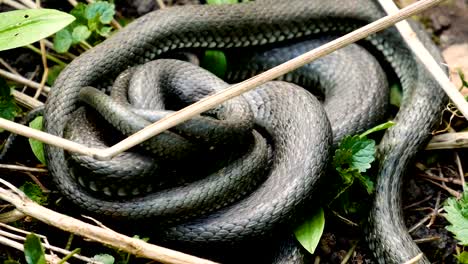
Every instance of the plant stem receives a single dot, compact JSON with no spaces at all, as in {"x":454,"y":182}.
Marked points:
{"x":48,"y":55}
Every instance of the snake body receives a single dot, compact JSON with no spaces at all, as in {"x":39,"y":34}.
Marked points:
{"x":283,"y":110}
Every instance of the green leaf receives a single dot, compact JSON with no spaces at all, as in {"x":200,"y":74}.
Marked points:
{"x":80,"y":33}
{"x":215,"y":62}
{"x":8,"y":108}
{"x":22,"y":27}
{"x":104,"y":31}
{"x":217,"y":2}
{"x":36,"y":146}
{"x":104,"y":258}
{"x":54,"y":72}
{"x":62,"y":41}
{"x":34,"y":192}
{"x":309,"y":233}
{"x":100,"y":11}
{"x":33,"y":250}
{"x":355,"y":152}
{"x":378,"y":128}
{"x":462,"y":257}
{"x":457,"y":215}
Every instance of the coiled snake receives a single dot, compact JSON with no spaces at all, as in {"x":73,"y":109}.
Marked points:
{"x":292,"y":119}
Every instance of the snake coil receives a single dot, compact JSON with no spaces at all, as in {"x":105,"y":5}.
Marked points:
{"x":294,"y":121}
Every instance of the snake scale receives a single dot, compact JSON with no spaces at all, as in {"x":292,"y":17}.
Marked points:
{"x":283,"y":111}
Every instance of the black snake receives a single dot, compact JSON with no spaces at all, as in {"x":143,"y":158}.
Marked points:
{"x":300,"y":138}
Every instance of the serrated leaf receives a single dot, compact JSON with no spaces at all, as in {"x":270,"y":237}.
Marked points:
{"x":457,"y":215}
{"x":62,"y":41}
{"x":309,"y":233}
{"x":215,"y":62}
{"x":33,"y":250}
{"x":100,"y":11}
{"x":104,"y":258}
{"x":37,"y":147}
{"x":22,"y":27}
{"x":462,"y":257}
{"x":80,"y":33}
{"x":355,"y":153}
{"x":217,"y":2}
{"x":34,"y":192}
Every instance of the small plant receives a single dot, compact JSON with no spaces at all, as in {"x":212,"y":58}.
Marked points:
{"x":457,"y":215}
{"x":92,"y":25}
{"x":353,"y":157}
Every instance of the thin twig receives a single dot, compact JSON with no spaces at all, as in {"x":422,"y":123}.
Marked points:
{"x":37,"y":182}
{"x":20,"y":79}
{"x":448,"y":189}
{"x":434,"y":212}
{"x":45,"y":73}
{"x":31,"y":77}
{"x":21,"y":168}
{"x":28,"y":3}
{"x":134,"y":246}
{"x":447,"y":180}
{"x":13,"y":4}
{"x":449,"y":141}
{"x":417,"y":203}
{"x":26,"y":100}
{"x":415,"y":260}
{"x":161,"y":4}
{"x":48,"y":56}
{"x":44,"y":61}
{"x":233,"y":91}
{"x":349,"y":254}
{"x":317,"y":260}
{"x":426,"y":239}
{"x":8,"y":66}
{"x":67,"y":257}
{"x":426,"y":58}
{"x":344,"y":219}
{"x":422,"y":221}
{"x":8,"y":242}
{"x":11,"y":216}
{"x":460,"y":170}
{"x":21,"y":98}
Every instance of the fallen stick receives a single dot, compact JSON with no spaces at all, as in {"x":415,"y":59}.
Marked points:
{"x":426,"y":59}
{"x":105,"y":236}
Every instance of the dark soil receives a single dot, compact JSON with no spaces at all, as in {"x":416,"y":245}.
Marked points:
{"x":448,"y":24}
